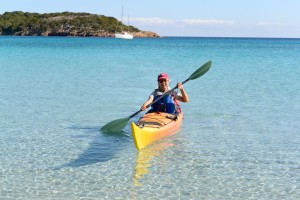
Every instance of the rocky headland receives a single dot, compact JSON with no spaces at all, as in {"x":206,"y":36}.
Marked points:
{"x":71,"y":24}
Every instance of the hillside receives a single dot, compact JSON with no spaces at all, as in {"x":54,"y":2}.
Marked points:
{"x":20,"y":23}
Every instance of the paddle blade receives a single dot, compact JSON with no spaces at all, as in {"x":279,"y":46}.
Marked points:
{"x":116,"y":125}
{"x":202,"y":70}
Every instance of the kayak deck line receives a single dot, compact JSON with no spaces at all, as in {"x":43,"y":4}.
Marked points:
{"x":159,"y":123}
{"x":149,"y":124}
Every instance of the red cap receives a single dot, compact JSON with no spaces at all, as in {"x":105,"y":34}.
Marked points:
{"x":163,"y":76}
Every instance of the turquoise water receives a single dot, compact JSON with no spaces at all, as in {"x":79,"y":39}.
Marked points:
{"x":240,"y":136}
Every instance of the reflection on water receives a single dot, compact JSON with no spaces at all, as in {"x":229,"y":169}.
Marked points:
{"x":144,"y":157}
{"x":103,"y":147}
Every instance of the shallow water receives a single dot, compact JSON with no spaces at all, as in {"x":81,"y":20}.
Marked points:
{"x":239,"y":138}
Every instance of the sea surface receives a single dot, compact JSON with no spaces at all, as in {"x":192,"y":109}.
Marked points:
{"x":240,"y":137}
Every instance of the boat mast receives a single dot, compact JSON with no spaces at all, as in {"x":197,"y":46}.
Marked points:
{"x":128,"y":24}
{"x":122,"y":20}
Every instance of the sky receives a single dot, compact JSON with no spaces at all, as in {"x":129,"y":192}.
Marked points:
{"x":195,"y":18}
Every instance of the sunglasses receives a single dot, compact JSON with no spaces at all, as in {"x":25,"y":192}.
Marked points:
{"x":162,"y":80}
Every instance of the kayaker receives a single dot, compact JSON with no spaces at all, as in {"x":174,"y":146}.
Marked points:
{"x":169,"y":103}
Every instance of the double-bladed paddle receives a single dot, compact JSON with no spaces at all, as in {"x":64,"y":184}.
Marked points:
{"x":118,"y":124}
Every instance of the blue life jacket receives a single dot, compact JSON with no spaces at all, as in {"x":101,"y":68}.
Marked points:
{"x":165,"y":104}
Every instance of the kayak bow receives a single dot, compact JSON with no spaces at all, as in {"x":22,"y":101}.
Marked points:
{"x":154,"y":126}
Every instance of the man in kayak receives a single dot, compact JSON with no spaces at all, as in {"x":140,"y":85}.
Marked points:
{"x":169,"y":103}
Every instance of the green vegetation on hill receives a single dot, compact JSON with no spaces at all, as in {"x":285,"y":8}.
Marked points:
{"x":62,"y":24}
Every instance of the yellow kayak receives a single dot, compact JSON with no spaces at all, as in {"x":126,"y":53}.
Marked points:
{"x":153,"y":126}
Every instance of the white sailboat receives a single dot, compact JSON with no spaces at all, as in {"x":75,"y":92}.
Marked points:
{"x":124,"y":34}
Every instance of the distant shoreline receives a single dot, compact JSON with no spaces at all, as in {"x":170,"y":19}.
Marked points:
{"x":187,"y":37}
